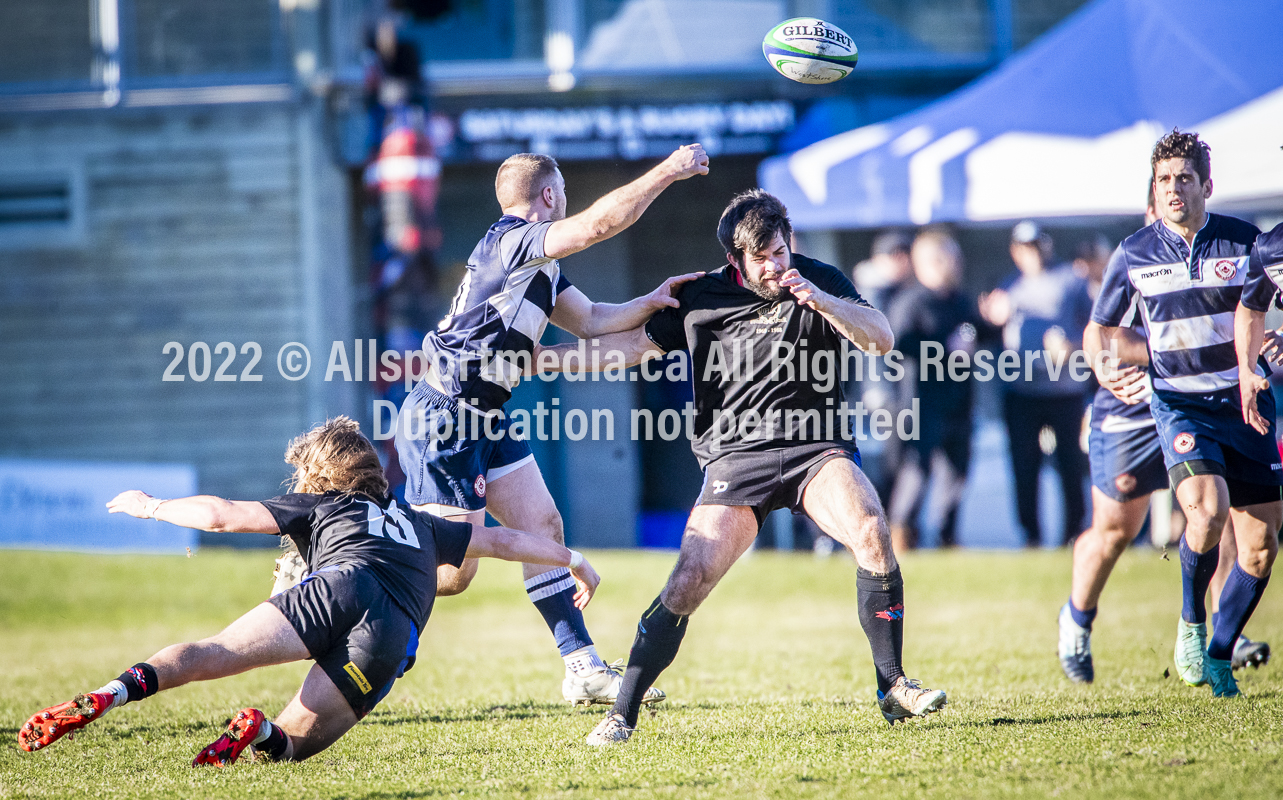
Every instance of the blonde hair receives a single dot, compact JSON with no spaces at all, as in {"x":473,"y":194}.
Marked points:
{"x":522,"y":177}
{"x":335,"y":456}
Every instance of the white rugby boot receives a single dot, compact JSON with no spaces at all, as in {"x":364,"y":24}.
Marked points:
{"x":611,"y":730}
{"x":599,"y":685}
{"x":1191,"y":648}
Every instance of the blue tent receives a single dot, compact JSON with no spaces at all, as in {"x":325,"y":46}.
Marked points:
{"x":1097,"y":90}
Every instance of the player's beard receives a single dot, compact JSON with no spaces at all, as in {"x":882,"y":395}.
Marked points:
{"x":766,"y":292}
{"x":774,"y":292}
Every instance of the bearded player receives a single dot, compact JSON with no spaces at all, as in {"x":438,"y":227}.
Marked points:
{"x":767,"y":438}
{"x":1186,"y":273}
{"x":357,"y":615}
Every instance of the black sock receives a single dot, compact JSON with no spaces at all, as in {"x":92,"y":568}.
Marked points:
{"x":274,"y":745}
{"x":659,"y":634}
{"x":140,"y":681}
{"x":881,"y":599}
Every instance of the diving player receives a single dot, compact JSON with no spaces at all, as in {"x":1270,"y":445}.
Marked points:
{"x":1186,"y":274}
{"x":358,"y":614}
{"x":768,"y":436}
{"x":512,"y":289}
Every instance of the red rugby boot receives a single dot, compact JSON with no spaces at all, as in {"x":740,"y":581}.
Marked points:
{"x":238,"y":736}
{"x":48,"y":726}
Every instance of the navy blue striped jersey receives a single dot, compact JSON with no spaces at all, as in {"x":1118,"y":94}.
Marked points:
{"x":499,"y":312}
{"x":1112,"y":415}
{"x":1186,"y":298}
{"x":1264,"y":270}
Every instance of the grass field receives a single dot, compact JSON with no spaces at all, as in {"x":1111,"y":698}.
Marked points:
{"x":772,"y":693}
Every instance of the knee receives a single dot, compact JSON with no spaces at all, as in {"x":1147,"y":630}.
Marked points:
{"x":1202,"y":524}
{"x":1259,"y":561}
{"x":1114,"y":540}
{"x":549,"y":526}
{"x":686,"y":589}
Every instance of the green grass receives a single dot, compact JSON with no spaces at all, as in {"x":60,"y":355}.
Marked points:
{"x":772,"y":692}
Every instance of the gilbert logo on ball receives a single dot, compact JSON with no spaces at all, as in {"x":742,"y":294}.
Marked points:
{"x":809,"y":50}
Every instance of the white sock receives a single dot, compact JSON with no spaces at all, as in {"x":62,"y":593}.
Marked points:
{"x":584,"y":660}
{"x":263,"y":732}
{"x":120,"y":695}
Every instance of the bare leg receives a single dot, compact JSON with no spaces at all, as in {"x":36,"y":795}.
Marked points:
{"x":1114,"y":526}
{"x":843,"y":503}
{"x":715,"y":538}
{"x":258,"y":639}
{"x":316,"y":717}
{"x":1205,"y":501}
{"x":520,"y":500}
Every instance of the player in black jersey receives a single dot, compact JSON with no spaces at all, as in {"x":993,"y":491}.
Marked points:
{"x":358,"y":614}
{"x":766,"y":335}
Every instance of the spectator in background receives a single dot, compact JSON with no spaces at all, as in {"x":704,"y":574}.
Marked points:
{"x":1090,"y":260}
{"x":933,"y":314}
{"x":1042,"y":308}
{"x":887,"y":272}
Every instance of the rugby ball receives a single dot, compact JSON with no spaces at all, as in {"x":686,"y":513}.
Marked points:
{"x":810,"y":50}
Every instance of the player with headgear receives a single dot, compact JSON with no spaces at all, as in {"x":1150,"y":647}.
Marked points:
{"x":512,"y":289}
{"x":1186,"y":274}
{"x":770,"y":432}
{"x":358,"y":614}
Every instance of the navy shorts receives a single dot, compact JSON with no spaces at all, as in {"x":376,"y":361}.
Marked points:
{"x":353,"y":630}
{"x":441,"y":463}
{"x":1126,"y":464}
{"x":1210,"y":428}
{"x":769,"y":479}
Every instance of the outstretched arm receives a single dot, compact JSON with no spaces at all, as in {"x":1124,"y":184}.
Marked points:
{"x":577,"y":314}
{"x":621,"y":208}
{"x":635,"y":347}
{"x":511,"y":545}
{"x":203,"y":512}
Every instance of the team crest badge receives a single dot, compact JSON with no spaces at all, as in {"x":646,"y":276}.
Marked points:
{"x":479,"y":486}
{"x":1125,"y":483}
{"x":1225,"y":269}
{"x":1183,"y":443}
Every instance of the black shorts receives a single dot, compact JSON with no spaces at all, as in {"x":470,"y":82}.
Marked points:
{"x":354,"y":631}
{"x":769,"y":479}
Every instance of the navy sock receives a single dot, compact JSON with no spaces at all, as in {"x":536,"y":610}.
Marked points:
{"x":1238,"y":600}
{"x":274,"y":745}
{"x":553,"y":593}
{"x":1082,"y":619}
{"x":140,"y":681}
{"x":659,"y":634}
{"x":1197,"y":570}
{"x":881,"y":601}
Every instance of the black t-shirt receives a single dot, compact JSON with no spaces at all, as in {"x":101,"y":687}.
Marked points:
{"x":919,"y":315}
{"x":774,"y":362}
{"x":400,"y":546}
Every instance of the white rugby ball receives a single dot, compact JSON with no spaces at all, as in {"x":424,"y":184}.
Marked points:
{"x":810,"y":50}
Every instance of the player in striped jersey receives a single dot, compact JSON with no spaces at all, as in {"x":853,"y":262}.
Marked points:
{"x":512,"y":289}
{"x":1126,"y":457}
{"x":1185,"y":274}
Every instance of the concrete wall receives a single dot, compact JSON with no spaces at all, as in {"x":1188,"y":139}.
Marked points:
{"x":215,"y":224}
